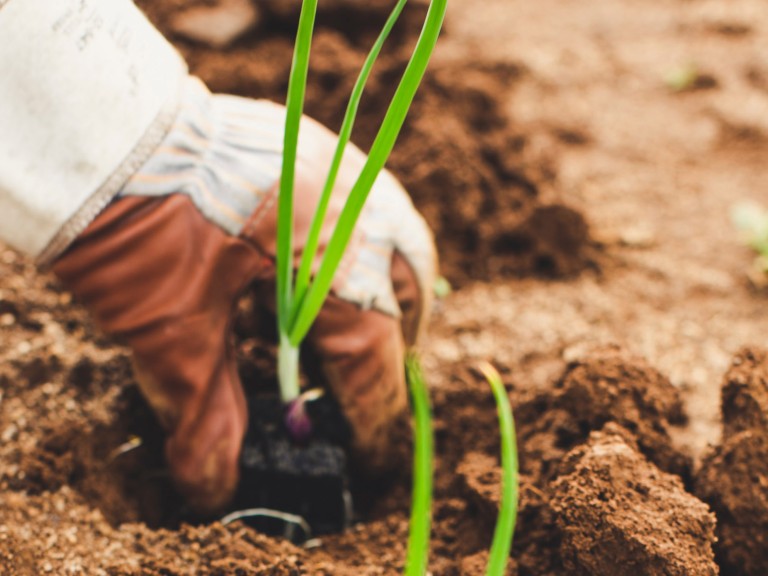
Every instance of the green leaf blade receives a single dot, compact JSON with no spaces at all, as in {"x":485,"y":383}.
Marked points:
{"x":313,"y":238}
{"x":377,"y":157}
{"x":421,"y":507}
{"x":498,"y":556}
{"x":288,"y":363}
{"x":294,"y":110}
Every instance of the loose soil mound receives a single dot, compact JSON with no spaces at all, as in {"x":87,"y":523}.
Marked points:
{"x":734,"y":477}
{"x":621,"y":516}
{"x":573,"y":474}
{"x":607,"y":386}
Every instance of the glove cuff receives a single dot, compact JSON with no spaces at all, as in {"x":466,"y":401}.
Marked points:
{"x":89,"y":90}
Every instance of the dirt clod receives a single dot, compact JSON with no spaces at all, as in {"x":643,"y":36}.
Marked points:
{"x":608,"y":385}
{"x":622,"y":516}
{"x":734,"y":476}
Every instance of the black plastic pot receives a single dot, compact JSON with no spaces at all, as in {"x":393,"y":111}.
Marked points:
{"x":290,"y":489}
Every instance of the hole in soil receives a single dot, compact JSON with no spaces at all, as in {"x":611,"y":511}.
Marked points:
{"x":133,"y":485}
{"x":82,"y":413}
{"x":127,"y":484}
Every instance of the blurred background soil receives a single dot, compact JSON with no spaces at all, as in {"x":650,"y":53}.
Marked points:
{"x":578,"y":163}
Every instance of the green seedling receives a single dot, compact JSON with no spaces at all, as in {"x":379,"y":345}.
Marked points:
{"x":752,"y":221}
{"x":505,"y":523}
{"x":689,"y":77}
{"x":421,"y":506}
{"x":418,"y":538}
{"x":683,"y":77}
{"x":299,"y":299}
{"x":442,"y":288}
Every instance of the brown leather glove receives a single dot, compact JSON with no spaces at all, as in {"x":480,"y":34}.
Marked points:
{"x":163,"y":278}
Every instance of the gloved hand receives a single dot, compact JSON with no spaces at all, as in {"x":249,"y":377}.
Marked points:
{"x":163,"y":265}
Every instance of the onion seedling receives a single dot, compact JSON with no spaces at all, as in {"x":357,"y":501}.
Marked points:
{"x":421,"y":506}
{"x":752,"y":221}
{"x":505,"y":523}
{"x":299,"y":302}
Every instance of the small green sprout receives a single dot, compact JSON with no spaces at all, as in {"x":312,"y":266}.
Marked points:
{"x":689,"y":77}
{"x":505,"y":524}
{"x":682,"y":78}
{"x":752,"y":221}
{"x":299,"y":300}
{"x":442,"y":287}
{"x":421,"y":506}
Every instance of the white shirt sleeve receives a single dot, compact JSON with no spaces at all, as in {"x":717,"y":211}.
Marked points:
{"x":88,"y":88}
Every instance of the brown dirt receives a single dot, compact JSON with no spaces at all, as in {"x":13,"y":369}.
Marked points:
{"x":546,"y":143}
{"x":734,"y":476}
{"x":620,"y":515}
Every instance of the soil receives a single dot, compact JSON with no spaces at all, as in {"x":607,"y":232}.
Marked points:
{"x":578,"y":162}
{"x":734,"y":476}
{"x":620,"y":515}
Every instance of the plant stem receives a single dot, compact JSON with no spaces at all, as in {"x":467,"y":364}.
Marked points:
{"x":505,"y":523}
{"x":288,"y":358}
{"x":288,"y":369}
{"x":421,"y":515}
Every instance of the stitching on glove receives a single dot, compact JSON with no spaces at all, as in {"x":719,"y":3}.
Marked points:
{"x":107,"y":192}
